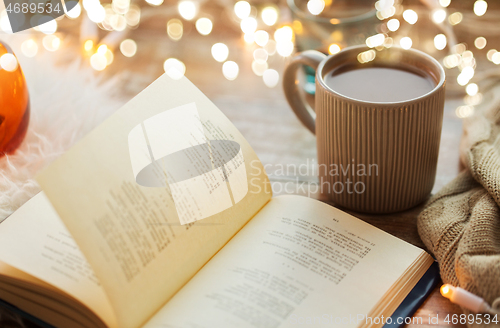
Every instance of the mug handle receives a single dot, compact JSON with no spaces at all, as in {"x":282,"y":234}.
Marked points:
{"x":301,"y":108}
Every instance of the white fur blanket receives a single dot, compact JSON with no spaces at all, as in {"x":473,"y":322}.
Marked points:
{"x":67,"y":101}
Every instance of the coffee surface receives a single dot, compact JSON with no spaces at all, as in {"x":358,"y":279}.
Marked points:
{"x":379,"y":84}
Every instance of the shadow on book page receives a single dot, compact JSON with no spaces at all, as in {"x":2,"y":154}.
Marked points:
{"x":204,"y":176}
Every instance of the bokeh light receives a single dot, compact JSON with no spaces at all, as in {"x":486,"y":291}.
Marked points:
{"x":410,"y":16}
{"x":187,"y":9}
{"x":316,"y":7}
{"x":260,"y":55}
{"x":261,"y":38}
{"x":480,"y":42}
{"x":285,"y":48}
{"x":220,"y":52}
{"x":98,"y":61}
{"x":8,"y":62}
{"x":271,"y":78}
{"x":472,"y":89}
{"x":75,"y":12}
{"x":175,"y":29}
{"x":440,"y":41}
{"x":29,"y":48}
{"x":230,"y":70}
{"x":242,"y":9}
{"x":259,"y":67}
{"x":248,"y":25}
{"x":269,"y":16}
{"x":128,"y":47}
{"x":204,"y":26}
{"x":455,"y":18}
{"x":438,"y":16}
{"x":406,"y":42}
{"x":393,"y":25}
{"x":51,"y":42}
{"x":480,"y":7}
{"x":174,"y":68}
{"x":333,"y":49}
{"x":283,"y":34}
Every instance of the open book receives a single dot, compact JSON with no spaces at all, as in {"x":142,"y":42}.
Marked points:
{"x":163,"y":217}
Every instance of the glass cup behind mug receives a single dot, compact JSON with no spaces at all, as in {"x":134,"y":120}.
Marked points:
{"x":377,"y":119}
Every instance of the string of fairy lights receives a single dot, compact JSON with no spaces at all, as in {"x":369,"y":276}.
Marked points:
{"x":266,"y":32}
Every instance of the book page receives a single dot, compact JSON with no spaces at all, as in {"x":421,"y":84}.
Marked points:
{"x":154,"y":192}
{"x":297,"y":262}
{"x":34,"y":240}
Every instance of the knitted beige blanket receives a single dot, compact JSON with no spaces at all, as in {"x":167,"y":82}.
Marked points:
{"x":460,"y":225}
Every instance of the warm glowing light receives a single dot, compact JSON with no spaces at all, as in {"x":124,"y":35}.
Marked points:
{"x":410,"y":16}
{"x":88,"y":45}
{"x":271,"y":78}
{"x":96,"y":13}
{"x":480,"y":7}
{"x":118,"y":22}
{"x":248,"y":25}
{"x":467,"y":57}
{"x":204,"y":26}
{"x":261,"y":38}
{"x":393,"y":25}
{"x":438,"y":16}
{"x":388,"y":42}
{"x":174,"y":68}
{"x":49,"y":27}
{"x":220,"y":52}
{"x":444,"y":3}
{"x":490,"y":54}
{"x":461,"y":112}
{"x":109,"y":57}
{"x":446,"y":290}
{"x":259,"y":67}
{"x":375,"y":41}
{"x":496,"y":58}
{"x":480,"y":42}
{"x":270,"y":47}
{"x":315,"y":7}
{"x":175,"y":29}
{"x":333,"y":48}
{"x":366,"y":56}
{"x":464,"y":77}
{"x":51,"y":42}
{"x":452,"y":61}
{"x":121,"y":6}
{"x":98,"y":62}
{"x":128,"y":48}
{"x":455,"y":18}
{"x":75,"y":12}
{"x":230,"y":70}
{"x":242,"y":9}
{"x":155,"y":2}
{"x":459,"y":48}
{"x":102,"y":49}
{"x":133,"y":16}
{"x":440,"y":41}
{"x":285,"y":48}
{"x":249,"y":38}
{"x":29,"y":48}
{"x":8,"y":62}
{"x":473,"y":100}
{"x":406,"y":43}
{"x":472,"y":89}
{"x":187,"y":9}
{"x":283,"y":34}
{"x":260,"y":55}
{"x":269,"y":16}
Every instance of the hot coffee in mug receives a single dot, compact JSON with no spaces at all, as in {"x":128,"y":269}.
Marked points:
{"x":378,"y":118}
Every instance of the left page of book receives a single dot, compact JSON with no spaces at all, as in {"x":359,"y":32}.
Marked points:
{"x":154,"y":192}
{"x":34,"y":240}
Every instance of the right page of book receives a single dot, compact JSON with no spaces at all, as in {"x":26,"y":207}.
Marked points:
{"x":297,"y":262}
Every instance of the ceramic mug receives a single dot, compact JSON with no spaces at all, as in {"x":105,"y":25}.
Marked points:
{"x":373,"y":156}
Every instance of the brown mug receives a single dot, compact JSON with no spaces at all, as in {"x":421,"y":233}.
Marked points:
{"x":373,"y":156}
